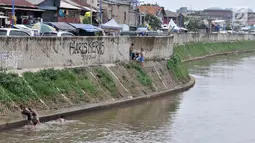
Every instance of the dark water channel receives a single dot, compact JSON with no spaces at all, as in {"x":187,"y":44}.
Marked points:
{"x":219,"y":109}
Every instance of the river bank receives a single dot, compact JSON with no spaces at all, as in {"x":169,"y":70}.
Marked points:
{"x":219,"y":104}
{"x":52,"y":91}
{"x":196,"y":51}
{"x":70,"y":91}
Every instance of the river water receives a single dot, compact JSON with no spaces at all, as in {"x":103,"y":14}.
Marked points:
{"x":219,"y":109}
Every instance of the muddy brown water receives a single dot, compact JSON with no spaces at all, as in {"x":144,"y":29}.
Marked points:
{"x":219,"y":109}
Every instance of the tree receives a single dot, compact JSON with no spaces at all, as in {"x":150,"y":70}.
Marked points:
{"x":86,"y":20}
{"x":153,"y":21}
{"x":193,"y":25}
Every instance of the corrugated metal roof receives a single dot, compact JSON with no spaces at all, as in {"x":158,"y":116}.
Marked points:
{"x":77,"y":3}
{"x":63,"y":26}
{"x":171,"y":14}
{"x":67,"y":5}
{"x":35,"y":2}
{"x":20,"y":3}
{"x":81,"y":4}
{"x":153,"y":10}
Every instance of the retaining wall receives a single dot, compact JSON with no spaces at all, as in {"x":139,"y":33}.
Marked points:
{"x":213,"y":37}
{"x":47,"y":52}
{"x":43,"y":52}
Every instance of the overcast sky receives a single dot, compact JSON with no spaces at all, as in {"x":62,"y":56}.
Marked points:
{"x":202,"y":4}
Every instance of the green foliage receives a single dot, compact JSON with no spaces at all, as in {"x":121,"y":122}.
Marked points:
{"x":86,"y":20}
{"x":15,"y":88}
{"x":83,"y":81}
{"x":193,"y":50}
{"x":142,"y":76}
{"x":53,"y":82}
{"x":41,"y":83}
{"x":153,"y":21}
{"x":107,"y":81}
{"x":177,"y":68}
{"x":194,"y":24}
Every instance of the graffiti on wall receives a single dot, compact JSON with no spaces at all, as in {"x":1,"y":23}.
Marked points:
{"x":88,"y":50}
{"x":10,"y":59}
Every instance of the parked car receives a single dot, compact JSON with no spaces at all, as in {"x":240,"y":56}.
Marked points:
{"x":54,"y":34}
{"x":13,"y":32}
{"x":128,"y":33}
{"x":58,"y":34}
{"x":65,"y":34}
{"x":152,"y":33}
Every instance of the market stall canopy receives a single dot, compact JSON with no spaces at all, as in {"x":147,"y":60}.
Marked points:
{"x":125,"y":27}
{"x":42,"y":27}
{"x":86,"y":27}
{"x":171,"y":26}
{"x":62,"y":26}
{"x":112,"y":24}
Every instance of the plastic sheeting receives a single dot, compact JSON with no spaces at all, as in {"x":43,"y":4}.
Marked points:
{"x":62,"y":26}
{"x":112,"y":24}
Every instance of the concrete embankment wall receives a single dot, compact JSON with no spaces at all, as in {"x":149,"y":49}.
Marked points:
{"x":54,"y":89}
{"x":43,"y":52}
{"x":46,"y":52}
{"x":213,"y":37}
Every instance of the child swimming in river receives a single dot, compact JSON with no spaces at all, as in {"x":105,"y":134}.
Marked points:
{"x":61,"y":119}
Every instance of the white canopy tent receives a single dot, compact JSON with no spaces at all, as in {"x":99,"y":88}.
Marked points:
{"x":112,"y":24}
{"x":171,"y":25}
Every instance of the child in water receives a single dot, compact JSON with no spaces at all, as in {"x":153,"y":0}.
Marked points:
{"x":35,"y":117}
{"x":26,"y":113}
{"x":61,"y":119}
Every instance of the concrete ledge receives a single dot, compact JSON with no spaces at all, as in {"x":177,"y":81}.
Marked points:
{"x":102,"y":106}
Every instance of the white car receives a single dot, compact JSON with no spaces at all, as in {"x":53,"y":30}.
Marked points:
{"x":58,"y":34}
{"x":65,"y":34}
{"x":13,"y":32}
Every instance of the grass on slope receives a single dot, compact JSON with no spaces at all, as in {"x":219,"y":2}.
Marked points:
{"x":192,"y":50}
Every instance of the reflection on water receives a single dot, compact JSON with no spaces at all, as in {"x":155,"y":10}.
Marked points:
{"x":219,"y":109}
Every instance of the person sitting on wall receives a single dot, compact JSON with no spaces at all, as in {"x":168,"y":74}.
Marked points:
{"x":142,"y":55}
{"x":137,"y":56}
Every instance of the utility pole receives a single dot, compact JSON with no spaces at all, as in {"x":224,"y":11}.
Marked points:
{"x":91,"y":14}
{"x":135,"y":3}
{"x":101,"y":19}
{"x":136,"y":24}
{"x":13,"y":13}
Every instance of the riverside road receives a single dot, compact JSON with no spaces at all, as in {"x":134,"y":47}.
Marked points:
{"x":218,"y":109}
